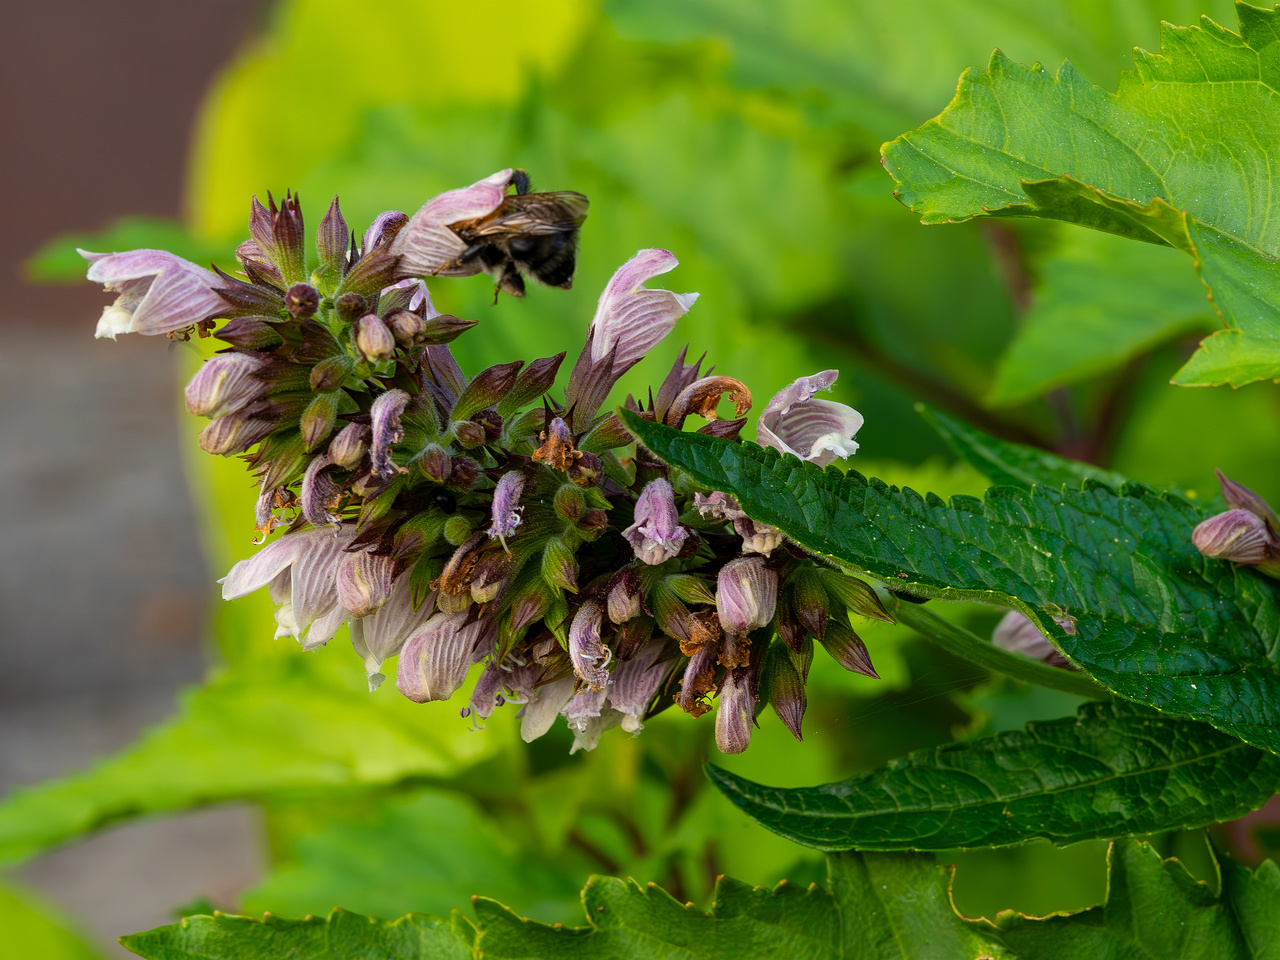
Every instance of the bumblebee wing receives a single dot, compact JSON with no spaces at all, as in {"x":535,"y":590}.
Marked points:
{"x":529,"y":214}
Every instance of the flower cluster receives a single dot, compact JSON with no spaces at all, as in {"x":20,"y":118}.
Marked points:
{"x":1247,"y":534}
{"x":452,"y":519}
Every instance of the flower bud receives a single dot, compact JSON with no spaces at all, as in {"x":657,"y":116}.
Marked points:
{"x":351,"y":307}
{"x":656,"y":535}
{"x":332,"y":241}
{"x":318,"y":419}
{"x":848,"y":650}
{"x":534,"y":380}
{"x":593,"y":524}
{"x":444,"y":328}
{"x":812,"y":603}
{"x":364,"y":582}
{"x":672,"y":615}
{"x":855,"y":594}
{"x":490,"y":574}
{"x":407,"y":327}
{"x":457,"y":530}
{"x":559,"y":566}
{"x":1240,"y":497}
{"x":783,"y":688}
{"x":435,"y":463}
{"x":746,"y":595}
{"x":328,"y":375}
{"x":234,"y":433}
{"x":529,"y":604}
{"x":469,"y":434}
{"x":571,"y":505}
{"x":463,"y":473}
{"x":589,"y":655}
{"x":373,"y":339}
{"x":224,"y":384}
{"x":302,"y":301}
{"x":435,"y":660}
{"x":348,"y":448}
{"x":735,"y":712}
{"x":1237,"y":535}
{"x":624,"y":595}
{"x":250,"y":333}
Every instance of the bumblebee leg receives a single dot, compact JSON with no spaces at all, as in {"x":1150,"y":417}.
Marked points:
{"x":520,"y":180}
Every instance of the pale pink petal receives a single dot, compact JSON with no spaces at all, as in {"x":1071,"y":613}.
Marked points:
{"x":632,"y":318}
{"x":819,"y":431}
{"x":159,"y":292}
{"x":426,"y":243}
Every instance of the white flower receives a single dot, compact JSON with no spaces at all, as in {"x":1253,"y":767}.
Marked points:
{"x":819,"y":431}
{"x":159,"y":292}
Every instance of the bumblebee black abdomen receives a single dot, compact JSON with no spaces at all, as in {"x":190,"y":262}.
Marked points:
{"x":550,"y":258}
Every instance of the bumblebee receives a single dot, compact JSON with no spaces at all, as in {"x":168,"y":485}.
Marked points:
{"x":530,"y":234}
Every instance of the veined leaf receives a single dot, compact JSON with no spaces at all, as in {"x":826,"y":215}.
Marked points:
{"x":1097,"y":302}
{"x":1115,"y":770}
{"x":339,"y":936}
{"x":1013,"y":464}
{"x":1179,"y":155}
{"x":871,"y":907}
{"x":1111,"y":577}
{"x":291,"y":725}
{"x":1155,"y":908}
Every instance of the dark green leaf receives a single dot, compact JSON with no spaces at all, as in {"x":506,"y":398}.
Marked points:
{"x":1013,"y":464}
{"x":340,"y":936}
{"x":1115,"y":770}
{"x":1155,"y":909}
{"x":1111,"y":577}
{"x":1179,"y":156}
{"x":58,"y":262}
{"x":874,"y":907}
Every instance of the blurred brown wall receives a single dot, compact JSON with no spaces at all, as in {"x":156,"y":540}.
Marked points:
{"x":97,"y":101}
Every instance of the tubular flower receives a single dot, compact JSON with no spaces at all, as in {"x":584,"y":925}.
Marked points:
{"x":300,"y":571}
{"x":656,"y":536}
{"x":451,"y":519}
{"x":1248,"y":534}
{"x":820,"y":431}
{"x":159,"y":292}
{"x":427,"y":247}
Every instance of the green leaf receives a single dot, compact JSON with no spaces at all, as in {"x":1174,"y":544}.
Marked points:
{"x":421,"y":852}
{"x":1115,"y":770}
{"x":58,"y":262}
{"x":29,"y":928}
{"x":1155,"y":908}
{"x":1110,"y":577}
{"x":294,"y":724}
{"x":872,"y":907}
{"x":1098,"y":301}
{"x":1178,"y":156}
{"x":339,"y":936}
{"x":1012,"y":464}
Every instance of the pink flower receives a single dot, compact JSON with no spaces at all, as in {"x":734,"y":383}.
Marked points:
{"x":426,"y":244}
{"x":434,"y":661}
{"x":632,"y":319}
{"x":746,"y":595}
{"x":300,"y":571}
{"x":159,"y":292}
{"x":819,"y":431}
{"x":383,"y":633}
{"x":656,"y":535}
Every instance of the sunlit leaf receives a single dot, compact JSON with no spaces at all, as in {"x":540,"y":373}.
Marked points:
{"x":1177,"y":156}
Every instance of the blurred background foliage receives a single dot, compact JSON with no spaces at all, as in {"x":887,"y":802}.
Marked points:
{"x":744,"y":136}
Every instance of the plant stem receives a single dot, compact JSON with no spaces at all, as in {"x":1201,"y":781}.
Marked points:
{"x":970,"y":647}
